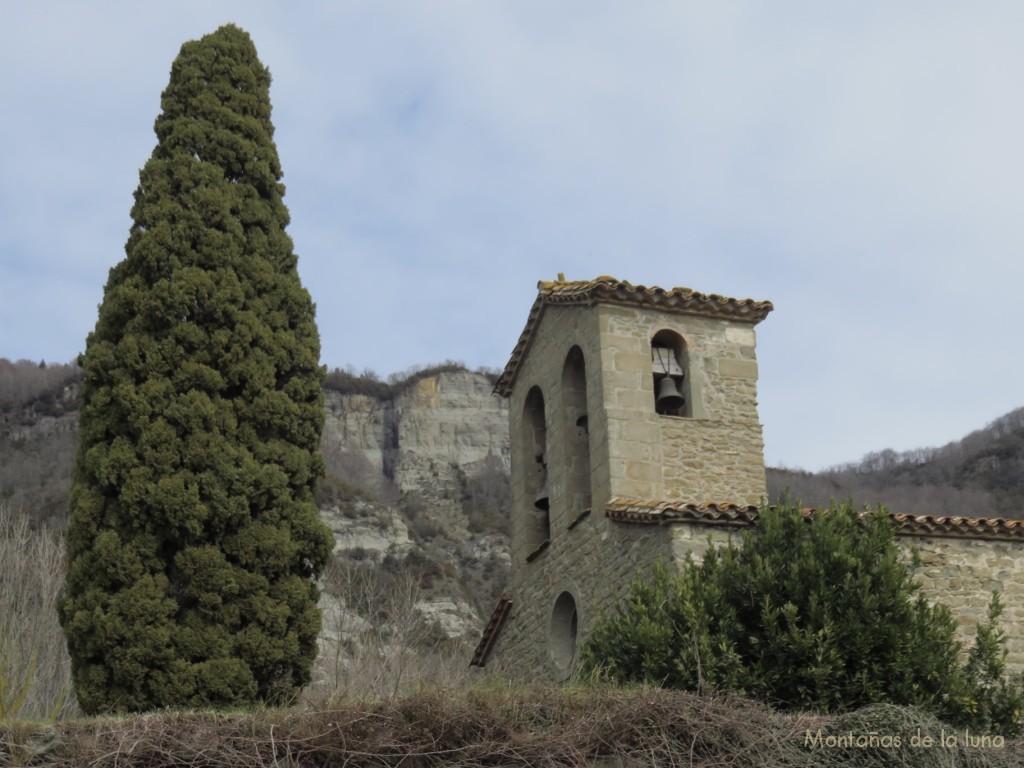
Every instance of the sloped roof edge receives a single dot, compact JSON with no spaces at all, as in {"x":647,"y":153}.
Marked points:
{"x":608,"y":290}
{"x":638,"y":511}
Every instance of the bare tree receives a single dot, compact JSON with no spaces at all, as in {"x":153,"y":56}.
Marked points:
{"x":376,"y":641}
{"x":35,"y":671}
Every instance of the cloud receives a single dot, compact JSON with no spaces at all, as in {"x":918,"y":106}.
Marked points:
{"x":857,"y":165}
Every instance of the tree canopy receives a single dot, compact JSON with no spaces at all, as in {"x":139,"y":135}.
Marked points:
{"x":194,"y":540}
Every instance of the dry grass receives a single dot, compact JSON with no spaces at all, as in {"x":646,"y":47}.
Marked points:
{"x":35,"y":676}
{"x":488,"y":725}
{"x":535,"y":726}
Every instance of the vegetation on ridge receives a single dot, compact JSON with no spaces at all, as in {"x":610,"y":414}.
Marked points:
{"x":980,"y":475}
{"x":346,"y":381}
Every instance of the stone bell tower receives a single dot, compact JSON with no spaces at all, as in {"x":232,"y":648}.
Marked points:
{"x":627,"y":404}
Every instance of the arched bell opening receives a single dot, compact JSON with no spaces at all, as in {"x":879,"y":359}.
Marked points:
{"x":577,"y":434}
{"x":536,"y":505}
{"x":670,"y":375}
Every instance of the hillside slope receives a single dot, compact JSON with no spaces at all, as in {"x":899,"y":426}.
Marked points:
{"x":981,"y":475}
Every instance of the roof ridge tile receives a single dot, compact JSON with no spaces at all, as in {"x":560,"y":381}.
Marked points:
{"x":652,"y":512}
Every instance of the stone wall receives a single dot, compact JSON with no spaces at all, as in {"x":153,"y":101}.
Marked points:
{"x":571,"y":549}
{"x":962,"y":573}
{"x":957,"y":571}
{"x":595,"y":562}
{"x":592,"y":365}
{"x":600,"y":558}
{"x":541,"y":377}
{"x":713,"y":455}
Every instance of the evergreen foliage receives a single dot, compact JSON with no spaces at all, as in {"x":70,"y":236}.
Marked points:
{"x":997,"y":698}
{"x":194,"y":540}
{"x":808,"y":613}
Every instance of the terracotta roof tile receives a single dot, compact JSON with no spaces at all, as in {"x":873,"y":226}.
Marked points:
{"x":663,"y":512}
{"x":644,"y":512}
{"x":970,"y":527}
{"x":608,"y":290}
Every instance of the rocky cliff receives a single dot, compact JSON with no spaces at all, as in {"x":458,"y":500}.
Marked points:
{"x":424,"y":437}
{"x":421,"y":520}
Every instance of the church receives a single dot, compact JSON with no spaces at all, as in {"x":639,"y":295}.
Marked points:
{"x":635,"y":437}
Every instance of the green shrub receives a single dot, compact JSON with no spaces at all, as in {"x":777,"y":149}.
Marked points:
{"x":996,"y":698}
{"x":346,"y":381}
{"x":815,"y":614}
{"x":486,"y":497}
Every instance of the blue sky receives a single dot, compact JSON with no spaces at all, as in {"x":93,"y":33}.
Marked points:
{"x":857,"y":163}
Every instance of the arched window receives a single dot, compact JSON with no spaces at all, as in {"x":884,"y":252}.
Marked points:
{"x":671,"y":377}
{"x":562,"y":634}
{"x":536,"y":517}
{"x":577,"y":434}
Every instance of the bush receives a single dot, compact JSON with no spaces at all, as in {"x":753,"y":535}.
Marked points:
{"x":350,"y":383}
{"x":422,"y":525}
{"x":330,"y":490}
{"x":821,"y":616}
{"x":996,"y":698}
{"x":346,"y":381}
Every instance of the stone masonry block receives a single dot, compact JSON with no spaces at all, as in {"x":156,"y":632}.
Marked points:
{"x":627,"y":362}
{"x":638,"y":399}
{"x":643,"y":470}
{"x":640,"y":432}
{"x":740,"y":335}
{"x":624,"y":380}
{"x":634,"y":489}
{"x":741,"y":369}
{"x":625,"y":449}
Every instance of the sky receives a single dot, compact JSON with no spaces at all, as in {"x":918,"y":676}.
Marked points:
{"x":859,"y":164}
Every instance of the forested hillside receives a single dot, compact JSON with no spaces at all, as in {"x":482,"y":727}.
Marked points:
{"x":981,"y":475}
{"x":38,"y":416}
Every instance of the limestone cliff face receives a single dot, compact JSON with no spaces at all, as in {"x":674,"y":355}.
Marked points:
{"x":423,"y":440}
{"x":422,"y":449}
{"x":447,"y":423}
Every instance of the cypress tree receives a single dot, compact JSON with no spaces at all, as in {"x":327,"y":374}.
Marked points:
{"x":194,"y":540}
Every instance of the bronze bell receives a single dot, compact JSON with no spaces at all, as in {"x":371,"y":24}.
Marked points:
{"x":669,"y":398}
{"x":541,"y":500}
